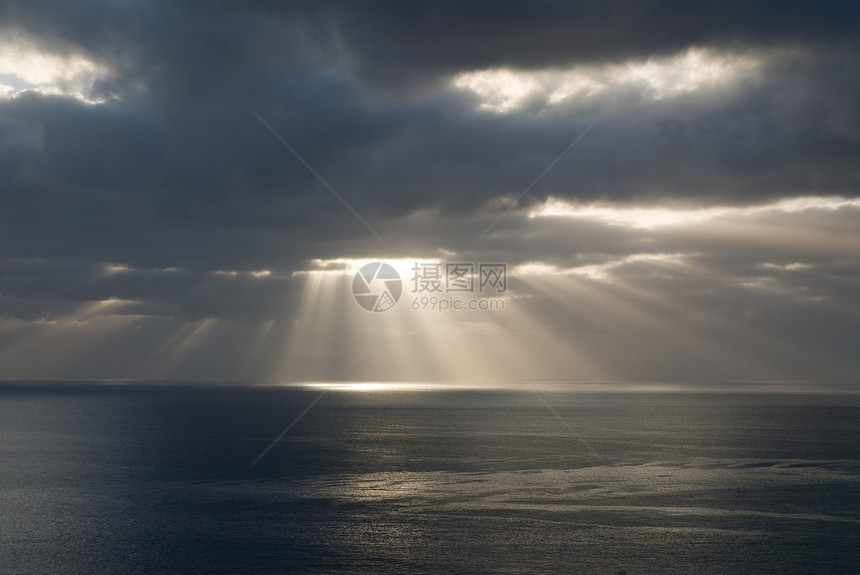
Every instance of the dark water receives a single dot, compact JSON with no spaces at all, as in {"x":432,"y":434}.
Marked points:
{"x":157,"y":479}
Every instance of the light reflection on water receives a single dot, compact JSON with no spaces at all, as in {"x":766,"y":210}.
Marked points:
{"x":138,"y":479}
{"x":542,"y":386}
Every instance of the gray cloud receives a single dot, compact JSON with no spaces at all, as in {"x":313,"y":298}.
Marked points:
{"x":165,"y":167}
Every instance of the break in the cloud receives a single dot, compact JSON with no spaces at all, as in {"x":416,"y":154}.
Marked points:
{"x":703,"y":225}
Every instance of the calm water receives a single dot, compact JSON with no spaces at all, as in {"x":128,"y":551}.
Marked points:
{"x":157,"y":479}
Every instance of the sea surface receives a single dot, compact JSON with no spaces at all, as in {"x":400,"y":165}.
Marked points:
{"x":124,"y":477}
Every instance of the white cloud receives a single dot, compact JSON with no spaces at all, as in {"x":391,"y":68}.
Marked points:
{"x":28,"y":66}
{"x":657,"y":217}
{"x":256,"y":274}
{"x":349,"y":266}
{"x":600,"y":271}
{"x":503,"y":90}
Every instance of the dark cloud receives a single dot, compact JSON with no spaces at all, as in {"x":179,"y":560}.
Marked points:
{"x":397,"y":42}
{"x":159,"y":164}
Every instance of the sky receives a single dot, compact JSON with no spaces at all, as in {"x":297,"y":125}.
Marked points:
{"x":188,"y":189}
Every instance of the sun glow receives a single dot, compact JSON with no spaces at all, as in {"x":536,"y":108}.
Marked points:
{"x":380,"y":386}
{"x":625,"y":291}
{"x":411,"y":342}
{"x":571,"y":315}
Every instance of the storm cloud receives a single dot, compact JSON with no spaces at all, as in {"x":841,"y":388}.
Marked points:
{"x":702,"y":176}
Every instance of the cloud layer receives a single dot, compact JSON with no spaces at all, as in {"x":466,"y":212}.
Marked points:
{"x":144,"y":205}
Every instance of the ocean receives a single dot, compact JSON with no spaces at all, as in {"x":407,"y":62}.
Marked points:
{"x":125,"y":477}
